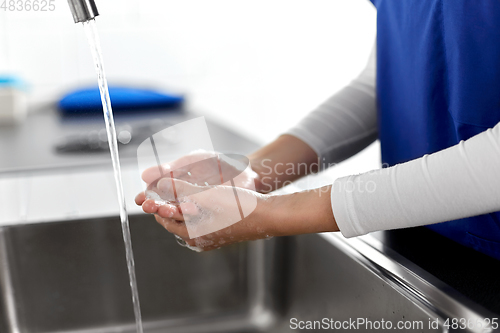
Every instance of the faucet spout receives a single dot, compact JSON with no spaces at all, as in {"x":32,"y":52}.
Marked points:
{"x":83,"y":10}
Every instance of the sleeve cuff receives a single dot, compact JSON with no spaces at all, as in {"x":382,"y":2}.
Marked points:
{"x":343,"y":207}
{"x":308,"y":139}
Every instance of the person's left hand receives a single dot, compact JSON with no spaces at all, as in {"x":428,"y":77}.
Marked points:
{"x":209,"y":211}
{"x":205,"y":167}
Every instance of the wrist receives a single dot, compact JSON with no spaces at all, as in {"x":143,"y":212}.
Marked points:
{"x":298,"y":213}
{"x":282,"y":162}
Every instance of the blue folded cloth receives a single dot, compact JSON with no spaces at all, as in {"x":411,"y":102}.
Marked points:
{"x":122,"y":99}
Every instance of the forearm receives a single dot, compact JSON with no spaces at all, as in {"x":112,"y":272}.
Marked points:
{"x":454,"y":183}
{"x":298,"y":213}
{"x":281,"y":162}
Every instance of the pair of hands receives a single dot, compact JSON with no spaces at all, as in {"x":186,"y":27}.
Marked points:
{"x":202,"y":203}
{"x":270,"y":215}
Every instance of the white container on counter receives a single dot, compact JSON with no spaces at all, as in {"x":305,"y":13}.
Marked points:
{"x":13,"y":100}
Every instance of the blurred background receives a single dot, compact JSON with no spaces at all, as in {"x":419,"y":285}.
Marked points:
{"x":258,"y":66}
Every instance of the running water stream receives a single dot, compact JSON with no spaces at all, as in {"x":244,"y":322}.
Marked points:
{"x":95,"y":48}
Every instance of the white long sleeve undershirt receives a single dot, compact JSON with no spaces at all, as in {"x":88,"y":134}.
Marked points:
{"x":457,"y":182}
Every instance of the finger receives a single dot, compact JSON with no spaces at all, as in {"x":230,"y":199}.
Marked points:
{"x":140,"y":198}
{"x":173,"y":227}
{"x":154,"y":173}
{"x":150,"y":206}
{"x":199,"y":180}
{"x":178,"y":188}
{"x":164,"y":220}
{"x":170,"y":211}
{"x":189,"y":208}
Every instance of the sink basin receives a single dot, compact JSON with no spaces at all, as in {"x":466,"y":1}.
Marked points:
{"x":71,"y":277}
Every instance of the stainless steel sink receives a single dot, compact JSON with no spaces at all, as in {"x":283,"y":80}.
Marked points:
{"x":71,"y":277}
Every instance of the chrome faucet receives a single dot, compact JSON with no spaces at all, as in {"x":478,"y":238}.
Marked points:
{"x":83,"y":10}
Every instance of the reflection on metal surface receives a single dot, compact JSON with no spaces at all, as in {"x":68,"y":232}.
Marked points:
{"x":434,"y":297}
{"x":71,"y":277}
{"x":9,"y":304}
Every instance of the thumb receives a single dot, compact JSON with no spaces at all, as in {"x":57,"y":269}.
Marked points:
{"x":152,"y":174}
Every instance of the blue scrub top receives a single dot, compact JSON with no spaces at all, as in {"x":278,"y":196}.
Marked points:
{"x":438,"y":82}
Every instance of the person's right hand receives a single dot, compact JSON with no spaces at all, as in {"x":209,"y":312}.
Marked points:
{"x":207,"y":217}
{"x":200,"y":216}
